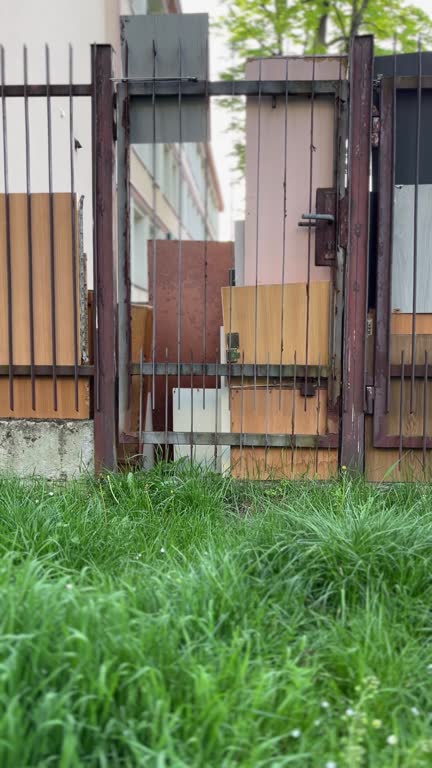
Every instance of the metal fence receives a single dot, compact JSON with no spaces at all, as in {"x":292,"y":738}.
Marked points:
{"x":274,"y":355}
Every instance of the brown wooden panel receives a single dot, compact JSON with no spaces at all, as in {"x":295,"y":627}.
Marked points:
{"x":384,"y":464}
{"x":201,"y":309}
{"x":141,"y":338}
{"x":402,"y":323}
{"x":239,"y":311}
{"x":262,"y":408}
{"x":44,"y":399}
{"x":279,"y":463}
{"x":42,"y":306}
{"x":403,"y":343}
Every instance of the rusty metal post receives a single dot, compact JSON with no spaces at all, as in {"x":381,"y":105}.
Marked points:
{"x":353,"y":433}
{"x":105,"y":301}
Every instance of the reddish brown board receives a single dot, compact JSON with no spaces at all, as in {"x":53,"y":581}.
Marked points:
{"x":201,"y":315}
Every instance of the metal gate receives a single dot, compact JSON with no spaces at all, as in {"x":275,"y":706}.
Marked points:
{"x":264,"y":395}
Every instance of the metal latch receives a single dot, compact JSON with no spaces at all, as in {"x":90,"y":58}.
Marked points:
{"x":324,"y":221}
{"x":233,"y":347}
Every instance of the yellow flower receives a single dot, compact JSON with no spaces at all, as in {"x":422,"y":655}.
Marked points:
{"x":376,"y":723}
{"x":343,"y":468}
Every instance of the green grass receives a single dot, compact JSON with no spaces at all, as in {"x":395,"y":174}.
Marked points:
{"x":180,"y":619}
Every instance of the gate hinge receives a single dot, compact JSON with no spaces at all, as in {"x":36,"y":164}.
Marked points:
{"x":376,"y":127}
{"x":370,"y":398}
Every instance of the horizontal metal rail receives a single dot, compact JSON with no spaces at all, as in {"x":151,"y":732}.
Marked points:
{"x":47,"y":370}
{"x":44,"y":90}
{"x":235,"y":370}
{"x":191,"y":87}
{"x":232,"y":439}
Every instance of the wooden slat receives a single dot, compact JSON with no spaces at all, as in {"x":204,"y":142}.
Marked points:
{"x":276,"y":463}
{"x":259,"y":463}
{"x":403,"y":343}
{"x":240,"y":318}
{"x":42,"y":306}
{"x":402,"y":323}
{"x":279,"y":418}
{"x":383,"y":464}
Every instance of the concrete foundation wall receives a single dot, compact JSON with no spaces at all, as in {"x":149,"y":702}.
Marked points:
{"x":56,"y":450}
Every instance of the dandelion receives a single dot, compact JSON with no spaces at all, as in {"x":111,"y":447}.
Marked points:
{"x":415,"y":711}
{"x":296,"y":733}
{"x":343,"y":468}
{"x":376,"y":723}
{"x":349,"y":712}
{"x":162,"y":550}
{"x":392,"y":740}
{"x":325,"y":705}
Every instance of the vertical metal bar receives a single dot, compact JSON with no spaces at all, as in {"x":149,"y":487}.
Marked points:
{"x":267,"y":410}
{"x":309,"y":248}
{"x":257,"y":227}
{"x":104,"y":265}
{"x":216,"y":416}
{"x":383,"y":291}
{"x":154,"y":201}
{"x":425,"y":407}
{"x":180,"y":220}
{"x":206,"y":193}
{"x":29,"y":232}
{"x":8,"y":234}
{"x":401,"y":406}
{"x":124,"y":286}
{"x":241,"y":412}
{"x":390,"y":246}
{"x":230,"y":329}
{"x":284,"y":232}
{"x":415,"y":252}
{"x":361,"y":74}
{"x":166,"y":405}
{"x":192,"y":410}
{"x":97,"y":378}
{"x":51,"y":230}
{"x":140,"y":426}
{"x":293,"y":410}
{"x":318,"y":412}
{"x":73,"y":227}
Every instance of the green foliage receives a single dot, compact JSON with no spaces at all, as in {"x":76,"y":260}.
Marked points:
{"x":260,"y":28}
{"x":181,"y":619}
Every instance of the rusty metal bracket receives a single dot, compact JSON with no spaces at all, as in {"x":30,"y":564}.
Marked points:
{"x":325,"y":232}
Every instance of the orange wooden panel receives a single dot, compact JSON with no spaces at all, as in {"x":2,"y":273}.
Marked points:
{"x":242,"y":305}
{"x":279,"y":463}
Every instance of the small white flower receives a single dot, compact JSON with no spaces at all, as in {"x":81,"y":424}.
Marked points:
{"x":429,"y":667}
{"x":317,"y":722}
{"x":36,"y":501}
{"x":51,"y":493}
{"x":349,"y":712}
{"x":392,"y":740}
{"x":330,"y":764}
{"x":162,"y":550}
{"x":296,"y":733}
{"x":69,"y":586}
{"x":415,"y":711}
{"x":130,"y":478}
{"x":325,"y":705}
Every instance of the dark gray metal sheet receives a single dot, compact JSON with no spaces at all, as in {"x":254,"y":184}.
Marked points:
{"x":167,"y":46}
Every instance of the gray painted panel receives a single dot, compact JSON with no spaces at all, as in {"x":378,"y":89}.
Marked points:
{"x":181,"y":45}
{"x":403,"y":249}
{"x":170,"y":33}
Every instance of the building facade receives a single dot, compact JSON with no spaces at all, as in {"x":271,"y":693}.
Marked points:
{"x":178,"y":178}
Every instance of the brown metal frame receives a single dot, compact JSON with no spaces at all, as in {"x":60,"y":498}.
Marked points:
{"x":356,"y":279}
{"x":384,"y":371}
{"x":105,"y":300}
{"x":103,"y":372}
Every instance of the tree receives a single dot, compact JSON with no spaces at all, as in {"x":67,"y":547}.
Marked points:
{"x":257,"y":28}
